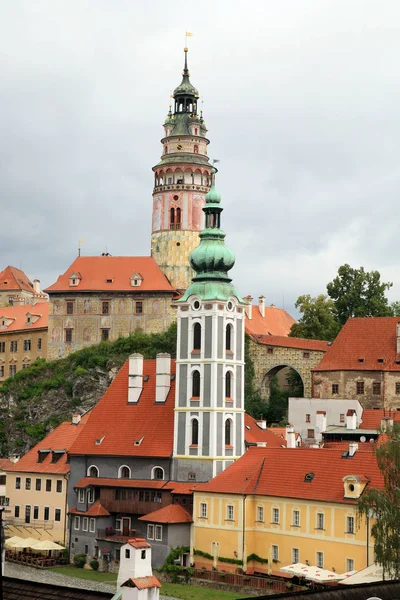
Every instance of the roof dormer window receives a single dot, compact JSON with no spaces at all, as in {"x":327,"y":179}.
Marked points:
{"x":136,"y":280}
{"x":354,"y":486}
{"x":74,"y":279}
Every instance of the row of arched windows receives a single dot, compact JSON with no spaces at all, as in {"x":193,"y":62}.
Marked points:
{"x":196,"y":384}
{"x":195,"y":432}
{"x":124,"y":472}
{"x":181,"y":177}
{"x":197,"y":336}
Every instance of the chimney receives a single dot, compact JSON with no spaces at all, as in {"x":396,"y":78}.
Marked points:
{"x":76,"y":419}
{"x":320,"y":424}
{"x":14,"y":458}
{"x":386,"y":422}
{"x":351,"y":419}
{"x":249,"y":306}
{"x":163,"y":376}
{"x":261,"y":305}
{"x":398,"y":338}
{"x":353,"y":447}
{"x":36,"y":286}
{"x":135,"y":383}
{"x":262,"y":424}
{"x":290,"y":436}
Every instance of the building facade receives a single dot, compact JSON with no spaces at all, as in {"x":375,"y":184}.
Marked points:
{"x":106,"y":297}
{"x":23,"y":337}
{"x":181,"y":180}
{"x":17,"y":289}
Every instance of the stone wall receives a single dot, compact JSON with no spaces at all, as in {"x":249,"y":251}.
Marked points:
{"x":24,"y":355}
{"x":267,"y":364}
{"x":170,"y":250}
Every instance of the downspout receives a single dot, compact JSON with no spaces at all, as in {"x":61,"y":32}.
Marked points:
{"x":367,"y":539}
{"x":66,"y":477}
{"x":244,"y":535}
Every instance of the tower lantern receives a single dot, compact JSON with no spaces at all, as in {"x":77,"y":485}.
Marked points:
{"x":181,"y":181}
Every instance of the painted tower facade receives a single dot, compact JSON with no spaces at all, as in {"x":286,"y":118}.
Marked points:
{"x":209,"y":402}
{"x":181,"y":180}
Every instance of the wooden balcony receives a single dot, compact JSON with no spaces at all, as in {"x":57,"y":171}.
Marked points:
{"x":132,"y":505}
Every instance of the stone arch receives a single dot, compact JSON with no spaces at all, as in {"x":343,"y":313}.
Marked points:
{"x":274,"y":370}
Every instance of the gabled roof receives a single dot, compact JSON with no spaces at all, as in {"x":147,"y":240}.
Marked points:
{"x":254,"y":434}
{"x":143,"y":583}
{"x":291,"y":342}
{"x":372,"y":418}
{"x":5,"y":464}
{"x":172,"y":513}
{"x":96,"y":510}
{"x":18,"y":314}
{"x":281,"y":472}
{"x":61,"y":438}
{"x":275,"y":322}
{"x":120,"y":424}
{"x":364,"y":344}
{"x":13,"y":279}
{"x":138,"y":543}
{"x":113,"y":273}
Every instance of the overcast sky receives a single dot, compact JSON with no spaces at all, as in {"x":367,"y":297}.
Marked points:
{"x":302,"y":104}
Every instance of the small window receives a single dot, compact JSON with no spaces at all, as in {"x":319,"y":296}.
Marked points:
{"x":320,"y":560}
{"x":125,"y":473}
{"x":158,"y":531}
{"x":360,"y":387}
{"x":308,"y":418}
{"x":16,"y":511}
{"x":93,"y":471}
{"x":105,"y":335}
{"x":139,"y":308}
{"x":229,"y":512}
{"x":295,"y":555}
{"x":296,"y":519}
{"x":105,"y":307}
{"x":342,"y":418}
{"x":12,"y":370}
{"x":196,"y":384}
{"x":90,"y":495}
{"x":228,"y":385}
{"x":350,"y":525}
{"x":306,"y":354}
{"x":46,"y":514}
{"x":376,"y":388}
{"x":92,"y":525}
{"x":70,"y":308}
{"x":127,"y":553}
{"x":228,"y":337}
{"x":275,"y":552}
{"x":260,"y":514}
{"x":197,"y":336}
{"x":158,"y":473}
{"x":196,"y":149}
{"x":143,"y":554}
{"x":27,"y":345}
{"x":228,"y":432}
{"x":48,"y":485}
{"x":320,"y":521}
{"x":18,"y":483}
{"x":275,"y":516}
{"x":349,"y":564}
{"x":270,"y":350}
{"x":203,"y":510}
{"x":39,"y":343}
{"x":28,"y":483}
{"x":85,"y":524}
{"x":195,"y":432}
{"x":35,"y":513}
{"x":68,"y":335}
{"x":57,"y":514}
{"x":150,"y":532}
{"x":81,"y":495}
{"x":59,"y":486}
{"x":335,"y":388}
{"x":398,"y":387}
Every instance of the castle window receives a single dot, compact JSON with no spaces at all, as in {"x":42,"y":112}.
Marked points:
{"x":105,"y":307}
{"x":165,"y":149}
{"x":196,"y":149}
{"x":228,"y":337}
{"x":376,"y":388}
{"x":124,"y":472}
{"x":335,"y":388}
{"x":27,"y":345}
{"x":105,"y":335}
{"x":397,"y":387}
{"x":196,"y":384}
{"x":178,"y":219}
{"x":228,"y":432}
{"x":70,"y":308}
{"x":195,"y":432}
{"x":360,"y":387}
{"x":139,"y":308}
{"x":68,"y":335}
{"x":228,"y":385}
{"x":172,"y":218}
{"x":350,"y":525}
{"x":195,"y":131}
{"x":12,"y":370}
{"x":93,"y":471}
{"x":39,"y":344}
{"x":197,"y":336}
{"x":158,"y":473}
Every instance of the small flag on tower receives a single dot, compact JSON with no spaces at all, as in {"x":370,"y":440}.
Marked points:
{"x":188,"y":34}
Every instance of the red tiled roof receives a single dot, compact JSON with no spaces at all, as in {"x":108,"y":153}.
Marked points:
{"x":291,"y":342}
{"x":139,"y":543}
{"x":182,"y":487}
{"x":275,"y":322}
{"x":13,"y":279}
{"x":280,"y":432}
{"x":254,"y":434}
{"x":61,"y":438}
{"x":95,"y":270}
{"x":96,"y":510}
{"x":120,"y":424}
{"x":172,"y":513}
{"x":5,"y":464}
{"x":371,"y":418}
{"x":154,"y":484}
{"x":18,"y":315}
{"x":281,"y":471}
{"x":143,"y":583}
{"x":368,"y":339}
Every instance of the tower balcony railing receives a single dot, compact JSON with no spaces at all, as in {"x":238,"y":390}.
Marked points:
{"x":181,"y":186}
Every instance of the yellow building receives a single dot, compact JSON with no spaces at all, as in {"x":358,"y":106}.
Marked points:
{"x":37,"y":487}
{"x":284,"y":505}
{"x":23,"y":337}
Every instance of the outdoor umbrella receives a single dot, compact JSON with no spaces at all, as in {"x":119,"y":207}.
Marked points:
{"x":46,"y":545}
{"x":12,"y":540}
{"x":323,"y":575}
{"x":295,"y":569}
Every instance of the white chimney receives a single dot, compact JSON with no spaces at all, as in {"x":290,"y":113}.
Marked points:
{"x":249,"y":306}
{"x":135,"y":383}
{"x":261,"y":444}
{"x":353,"y":447}
{"x":262,"y":424}
{"x":320,"y":424}
{"x":76,"y":419}
{"x":386,"y":423}
{"x":261,"y":305}
{"x":398,"y":338}
{"x":36,"y":286}
{"x":290,"y":436}
{"x":163,"y":376}
{"x":351,"y":419}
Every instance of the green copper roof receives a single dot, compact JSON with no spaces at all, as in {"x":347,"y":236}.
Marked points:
{"x":195,"y":159}
{"x":186,"y":88}
{"x":212,"y":259}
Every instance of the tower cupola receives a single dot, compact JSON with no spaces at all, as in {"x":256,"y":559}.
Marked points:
{"x":186,"y":95}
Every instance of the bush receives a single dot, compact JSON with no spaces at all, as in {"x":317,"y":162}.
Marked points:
{"x":80,"y":560}
{"x":80,"y":370}
{"x":94,"y":564}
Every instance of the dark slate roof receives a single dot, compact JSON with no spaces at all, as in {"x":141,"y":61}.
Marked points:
{"x":16,"y":589}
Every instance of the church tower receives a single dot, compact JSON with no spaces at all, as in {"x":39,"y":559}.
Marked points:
{"x":209,"y":401}
{"x":181,"y":180}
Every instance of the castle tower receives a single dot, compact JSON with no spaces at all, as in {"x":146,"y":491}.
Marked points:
{"x":181,"y":180}
{"x":209,"y":401}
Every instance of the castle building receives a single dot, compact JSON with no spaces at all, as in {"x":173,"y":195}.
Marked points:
{"x":16,"y":288}
{"x":181,"y":180}
{"x":209,"y":399}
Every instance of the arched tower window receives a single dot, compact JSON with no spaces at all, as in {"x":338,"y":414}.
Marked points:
{"x":196,"y":149}
{"x":195,"y":432}
{"x":178,"y":219}
{"x":165,"y":149}
{"x":197,"y":336}
{"x":196,"y":131}
{"x":228,"y":337}
{"x":93,"y":471}
{"x":124,"y":472}
{"x":228,"y":432}
{"x":228,"y":385}
{"x":157,"y":473}
{"x":172,"y":218}
{"x":196,"y":384}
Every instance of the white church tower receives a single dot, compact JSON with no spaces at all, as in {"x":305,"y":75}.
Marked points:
{"x":209,"y":401}
{"x":135,"y":575}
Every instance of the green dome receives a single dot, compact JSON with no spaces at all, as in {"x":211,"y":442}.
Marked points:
{"x":186,"y":88}
{"x":212,"y":256}
{"x":213,"y":197}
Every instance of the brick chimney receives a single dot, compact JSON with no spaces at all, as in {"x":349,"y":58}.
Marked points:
{"x":135,"y":383}
{"x":163,"y":376}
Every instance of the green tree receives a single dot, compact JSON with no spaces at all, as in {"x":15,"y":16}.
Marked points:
{"x":384,"y":504}
{"x":395,"y":308}
{"x":318,"y":319}
{"x":277,"y":402}
{"x":358,"y":293}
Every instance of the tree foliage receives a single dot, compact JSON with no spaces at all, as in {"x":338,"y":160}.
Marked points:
{"x":318,"y":320}
{"x":384,"y":505}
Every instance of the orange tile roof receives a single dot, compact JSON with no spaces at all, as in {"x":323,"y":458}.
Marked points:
{"x":143,"y":583}
{"x":156,"y":484}
{"x":371,"y":418}
{"x":5,"y":464}
{"x":121,"y":424}
{"x":182,"y":487}
{"x":291,"y":342}
{"x":95,"y":270}
{"x":172,"y":513}
{"x":96,"y":510}
{"x":138,"y":543}
{"x":368,"y":339}
{"x":275,"y":322}
{"x":254,"y":434}
{"x":61,"y":438}
{"x":281,"y":471}
{"x":18,"y":315}
{"x":13,"y":279}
